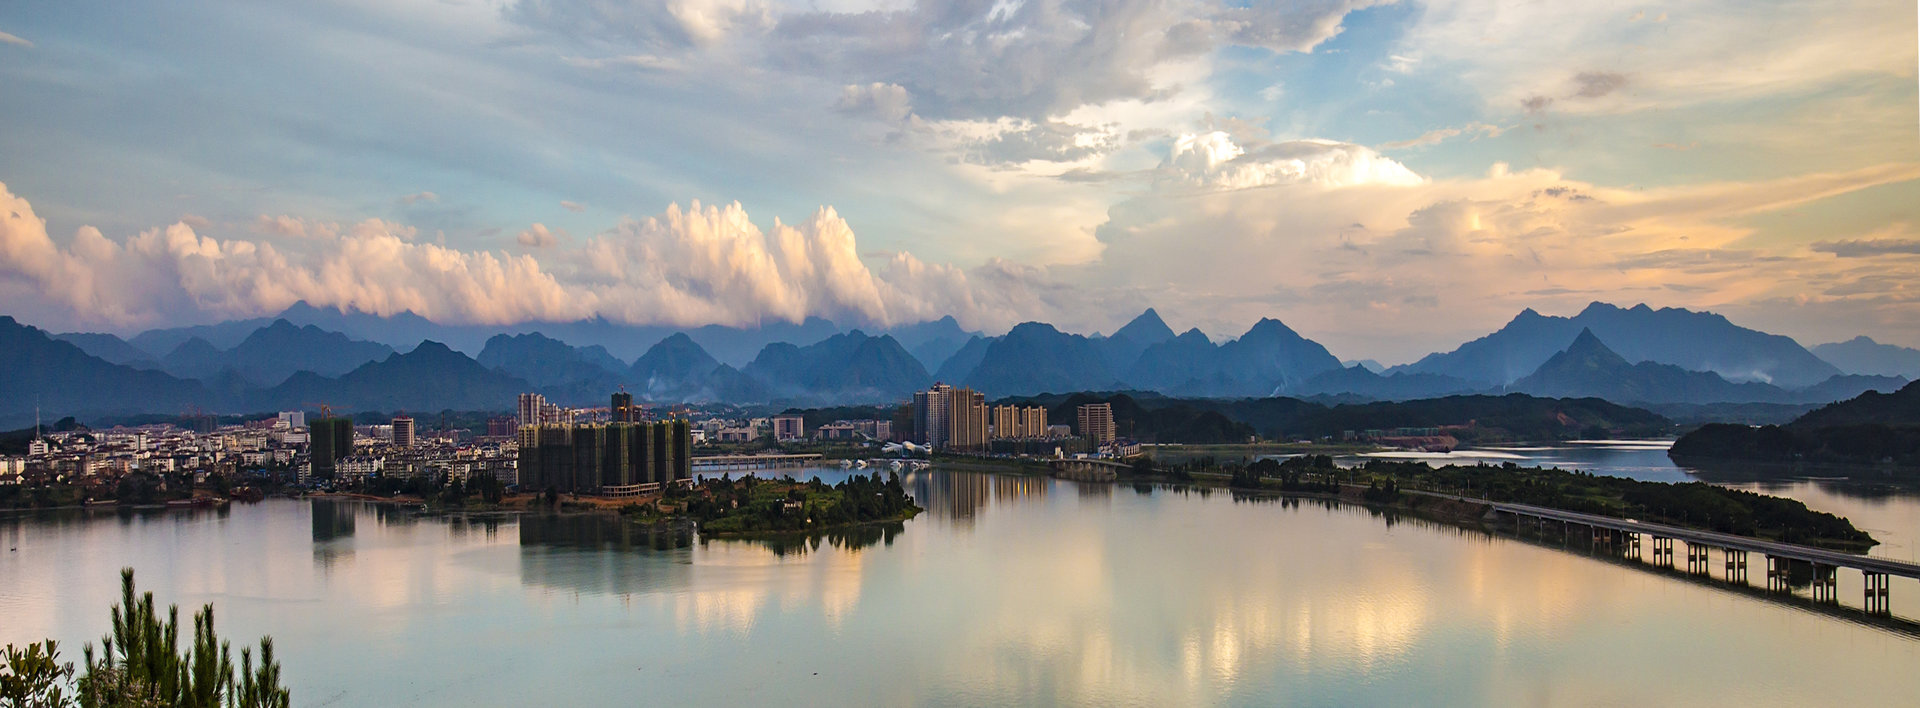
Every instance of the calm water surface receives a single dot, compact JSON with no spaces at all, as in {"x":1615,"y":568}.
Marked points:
{"x":1009,"y":590}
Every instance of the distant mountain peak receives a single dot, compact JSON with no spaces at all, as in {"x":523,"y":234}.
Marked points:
{"x":1147,"y":328}
{"x":1587,"y":345}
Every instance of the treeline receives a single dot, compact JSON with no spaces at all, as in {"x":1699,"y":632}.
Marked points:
{"x":1151,"y":417}
{"x":1692,"y":504}
{"x":1872,"y":428}
{"x":1866,"y":444}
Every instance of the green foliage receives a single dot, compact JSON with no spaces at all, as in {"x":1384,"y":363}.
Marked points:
{"x":33,"y":677}
{"x":751,"y":505}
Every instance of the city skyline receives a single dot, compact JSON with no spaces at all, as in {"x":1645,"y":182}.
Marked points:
{"x":1390,"y":179}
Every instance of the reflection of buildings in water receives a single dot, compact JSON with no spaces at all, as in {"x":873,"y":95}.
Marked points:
{"x":331,"y":519}
{"x":952,"y":495}
{"x":487,"y":527}
{"x":594,"y":553}
{"x":1011,"y":489}
{"x":333,"y":522}
{"x":1094,"y":490}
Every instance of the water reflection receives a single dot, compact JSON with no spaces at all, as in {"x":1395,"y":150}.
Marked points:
{"x":1164,"y":596}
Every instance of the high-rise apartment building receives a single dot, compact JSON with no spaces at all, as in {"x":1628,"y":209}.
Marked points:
{"x":1019,"y":422}
{"x":613,"y":459}
{"x":931,"y":409}
{"x":403,"y":431}
{"x":623,"y":410}
{"x":967,"y":420}
{"x":532,"y":409}
{"x":331,"y":440}
{"x":1096,"y":423}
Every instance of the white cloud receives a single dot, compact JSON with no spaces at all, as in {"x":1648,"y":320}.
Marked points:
{"x":575,"y":207}
{"x":13,"y":40}
{"x":419,"y":197}
{"x":1214,"y":161}
{"x":694,"y":266}
{"x":537,"y":236}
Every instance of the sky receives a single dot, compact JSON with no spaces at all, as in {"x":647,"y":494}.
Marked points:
{"x":1388,"y":178}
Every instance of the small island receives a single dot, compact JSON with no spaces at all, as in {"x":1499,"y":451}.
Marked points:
{"x":751,"y":506}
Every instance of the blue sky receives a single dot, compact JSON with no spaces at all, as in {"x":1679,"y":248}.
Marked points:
{"x":1388,"y":178}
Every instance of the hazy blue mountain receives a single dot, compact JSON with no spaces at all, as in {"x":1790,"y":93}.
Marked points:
{"x":1693,"y":341}
{"x":677,"y":369}
{"x":963,"y":361}
{"x":1862,"y":355}
{"x":272,"y":353}
{"x":1368,"y":364}
{"x":932,"y":343}
{"x":842,"y":369}
{"x":1173,"y":365}
{"x":1035,"y":358}
{"x":1358,"y":380}
{"x":195,"y":358}
{"x":1589,"y":369}
{"x":1846,"y":386}
{"x":110,"y":348}
{"x":432,"y":377}
{"x":544,"y":361}
{"x":730,"y":344}
{"x":1131,"y":340}
{"x":225,"y":335}
{"x":1269,"y":359}
{"x":64,"y":380}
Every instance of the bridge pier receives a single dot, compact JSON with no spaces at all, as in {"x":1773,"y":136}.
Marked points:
{"x":1736,"y":565}
{"x":1633,"y":545}
{"x":1663,"y":551}
{"x":1779,"y":574}
{"x":1876,"y":601}
{"x":1697,"y":559}
{"x":1826,"y":587}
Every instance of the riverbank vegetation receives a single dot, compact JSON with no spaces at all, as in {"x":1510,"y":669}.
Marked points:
{"x":751,"y":505}
{"x":1692,"y":504}
{"x":1873,"y":428}
{"x":142,"y":663}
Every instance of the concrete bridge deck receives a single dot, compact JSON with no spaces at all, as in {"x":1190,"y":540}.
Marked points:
{"x":1809,"y":554}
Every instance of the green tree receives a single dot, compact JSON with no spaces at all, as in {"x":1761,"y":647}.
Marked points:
{"x":33,"y":677}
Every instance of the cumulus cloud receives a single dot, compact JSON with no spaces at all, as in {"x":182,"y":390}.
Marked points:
{"x":694,"y":266}
{"x":1214,"y":161}
{"x":537,"y":236}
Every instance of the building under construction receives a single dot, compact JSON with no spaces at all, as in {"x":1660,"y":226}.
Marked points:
{"x":612,"y":459}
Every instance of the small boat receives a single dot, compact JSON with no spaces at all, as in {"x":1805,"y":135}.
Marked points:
{"x":846,"y":464}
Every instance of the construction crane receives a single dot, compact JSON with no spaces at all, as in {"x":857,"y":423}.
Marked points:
{"x":326,"y":411}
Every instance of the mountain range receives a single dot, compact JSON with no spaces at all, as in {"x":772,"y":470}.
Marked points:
{"x":1862,"y":355}
{"x":1629,"y":355}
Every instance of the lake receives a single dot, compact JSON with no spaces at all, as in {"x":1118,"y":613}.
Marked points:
{"x":1009,"y":590}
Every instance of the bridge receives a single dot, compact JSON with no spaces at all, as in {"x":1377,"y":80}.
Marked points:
{"x":718,"y":463}
{"x":1626,"y":534}
{"x":1084,"y":469}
